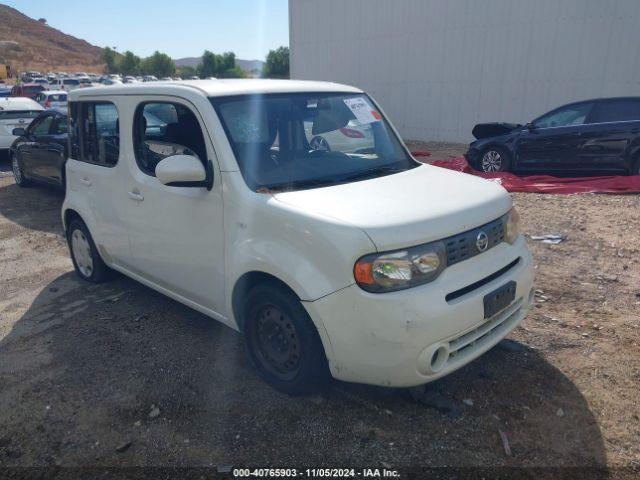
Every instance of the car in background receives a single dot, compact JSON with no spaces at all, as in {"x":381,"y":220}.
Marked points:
{"x":591,"y":137}
{"x":80,"y":74}
{"x":4,"y":91}
{"x":27,"y":90}
{"x":39,"y":152}
{"x":194,"y":77}
{"x":130,"y":79}
{"x":41,"y":81}
{"x":149,"y":78}
{"x":15,"y":112}
{"x":52,"y":99}
{"x":166,"y":79}
{"x":66,"y":84}
{"x":352,"y":137}
{"x":110,"y":81}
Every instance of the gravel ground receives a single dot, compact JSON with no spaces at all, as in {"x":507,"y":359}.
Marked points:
{"x":118,"y":375}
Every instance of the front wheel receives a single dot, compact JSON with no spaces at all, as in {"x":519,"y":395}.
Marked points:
{"x":495,"y":159}
{"x":84,"y":254}
{"x":18,"y":175}
{"x":283,"y":342}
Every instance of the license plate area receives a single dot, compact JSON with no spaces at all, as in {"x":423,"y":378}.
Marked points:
{"x":499,"y":299}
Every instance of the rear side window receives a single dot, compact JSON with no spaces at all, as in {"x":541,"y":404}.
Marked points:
{"x":569,"y":115}
{"x":94,"y":135}
{"x":162,"y":129}
{"x":620,"y":110}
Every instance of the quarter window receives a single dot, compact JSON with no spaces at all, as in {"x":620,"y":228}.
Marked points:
{"x":162,"y":129}
{"x":94,"y":133}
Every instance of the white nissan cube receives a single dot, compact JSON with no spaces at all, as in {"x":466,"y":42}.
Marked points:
{"x":341,"y":259}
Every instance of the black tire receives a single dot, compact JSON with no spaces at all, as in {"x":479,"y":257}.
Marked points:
{"x":16,"y":169}
{"x":494,"y":159}
{"x":274,"y":318}
{"x":99,"y":272}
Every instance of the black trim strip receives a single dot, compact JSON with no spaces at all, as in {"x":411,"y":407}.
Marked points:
{"x":469,"y":288}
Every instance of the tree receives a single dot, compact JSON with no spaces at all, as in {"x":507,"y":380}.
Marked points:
{"x":109,"y":57}
{"x":130,"y":64}
{"x":186,"y":72}
{"x":159,"y":64}
{"x":277,"y":64}
{"x":223,"y":66}
{"x":209,"y":65}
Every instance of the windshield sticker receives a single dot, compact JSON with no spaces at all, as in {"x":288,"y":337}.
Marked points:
{"x":362,"y":110}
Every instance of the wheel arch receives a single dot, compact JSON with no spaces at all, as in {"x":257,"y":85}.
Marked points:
{"x":250,"y":280}
{"x":70,"y":215}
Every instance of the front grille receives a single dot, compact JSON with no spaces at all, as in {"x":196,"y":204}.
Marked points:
{"x":463,"y":245}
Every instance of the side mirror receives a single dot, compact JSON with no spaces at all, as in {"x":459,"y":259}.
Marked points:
{"x":18,"y":132}
{"x":181,"y":171}
{"x":530,"y":126}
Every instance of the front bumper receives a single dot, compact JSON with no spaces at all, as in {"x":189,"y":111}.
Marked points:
{"x":415,"y":336}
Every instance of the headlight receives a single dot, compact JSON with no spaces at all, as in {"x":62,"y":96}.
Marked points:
{"x":391,"y":271}
{"x":511,"y":226}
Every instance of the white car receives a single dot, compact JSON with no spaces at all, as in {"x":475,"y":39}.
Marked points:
{"x":372,"y":268}
{"x":66,"y":84}
{"x":52,"y":99}
{"x":15,"y":112}
{"x":352,"y":138}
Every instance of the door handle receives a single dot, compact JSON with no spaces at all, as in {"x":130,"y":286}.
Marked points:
{"x":138,"y":197}
{"x":86,"y":182}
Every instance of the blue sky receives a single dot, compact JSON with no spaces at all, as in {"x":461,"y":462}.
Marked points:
{"x":180,"y":28}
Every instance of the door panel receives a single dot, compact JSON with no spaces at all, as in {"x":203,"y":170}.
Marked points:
{"x":605,"y":147}
{"x":549,"y":148}
{"x":176,"y":233}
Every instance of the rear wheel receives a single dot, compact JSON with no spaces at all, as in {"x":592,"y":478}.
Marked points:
{"x":283,"y":342}
{"x":18,"y":175}
{"x":495,"y":159}
{"x":86,"y":259}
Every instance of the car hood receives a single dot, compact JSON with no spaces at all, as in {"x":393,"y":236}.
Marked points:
{"x":409,"y":208}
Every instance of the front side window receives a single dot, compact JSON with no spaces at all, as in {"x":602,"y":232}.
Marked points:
{"x":94,"y":135}
{"x":41,"y":126}
{"x":163,"y":129}
{"x":570,"y":115}
{"x":307,"y":140}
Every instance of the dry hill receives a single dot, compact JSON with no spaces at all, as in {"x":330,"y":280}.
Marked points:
{"x":28,"y":44}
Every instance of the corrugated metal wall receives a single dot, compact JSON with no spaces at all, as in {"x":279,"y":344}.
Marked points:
{"x":438,"y":67}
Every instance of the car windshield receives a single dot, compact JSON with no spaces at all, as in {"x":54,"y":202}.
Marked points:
{"x":307,"y":140}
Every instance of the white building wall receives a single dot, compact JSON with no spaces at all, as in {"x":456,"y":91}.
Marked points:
{"x":438,"y":67}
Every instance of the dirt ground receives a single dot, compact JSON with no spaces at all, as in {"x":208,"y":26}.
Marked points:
{"x":84,"y":369}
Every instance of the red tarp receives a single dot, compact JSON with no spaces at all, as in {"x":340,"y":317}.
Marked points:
{"x":547,"y":183}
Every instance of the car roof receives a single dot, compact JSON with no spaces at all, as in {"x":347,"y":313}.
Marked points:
{"x":54,"y":92}
{"x":19,"y":103}
{"x":216,"y":88}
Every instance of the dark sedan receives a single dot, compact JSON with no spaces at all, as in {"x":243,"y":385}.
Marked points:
{"x":590,"y":137}
{"x":40,"y":152}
